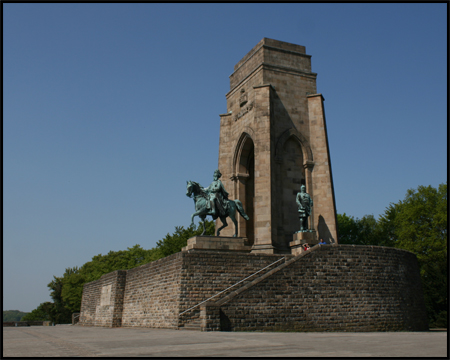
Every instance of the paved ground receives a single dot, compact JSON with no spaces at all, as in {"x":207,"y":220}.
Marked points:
{"x":69,"y":341}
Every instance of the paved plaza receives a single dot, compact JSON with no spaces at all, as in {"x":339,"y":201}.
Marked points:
{"x":78,"y":341}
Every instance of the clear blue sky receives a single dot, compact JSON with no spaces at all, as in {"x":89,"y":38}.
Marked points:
{"x":109,"y":108}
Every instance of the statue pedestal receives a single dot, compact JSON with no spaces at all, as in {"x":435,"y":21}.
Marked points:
{"x":221,"y":243}
{"x":302,"y":238}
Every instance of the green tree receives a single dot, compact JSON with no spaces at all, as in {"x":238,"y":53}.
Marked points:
{"x":116,"y":260}
{"x":364,"y":231}
{"x":72,"y":290}
{"x":74,"y":279}
{"x":172,"y":244}
{"x":68,"y":289}
{"x":41,"y":313}
{"x":419,"y":224}
{"x":58,"y":312}
{"x":348,"y":229}
{"x":13,"y":315}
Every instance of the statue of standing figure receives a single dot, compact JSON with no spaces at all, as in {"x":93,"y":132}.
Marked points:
{"x":305,"y":205}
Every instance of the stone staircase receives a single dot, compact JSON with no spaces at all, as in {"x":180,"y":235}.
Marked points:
{"x":194,"y":323}
{"x":191,"y":325}
{"x":261,"y":277}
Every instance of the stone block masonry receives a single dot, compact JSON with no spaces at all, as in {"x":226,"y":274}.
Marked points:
{"x":218,"y":243}
{"x":102,"y":300}
{"x":328,"y":288}
{"x":273,"y":138}
{"x":206,"y":273}
{"x":156,"y":293}
{"x":152,"y":293}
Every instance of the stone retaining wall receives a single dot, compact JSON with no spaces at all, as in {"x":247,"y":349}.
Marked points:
{"x":206,"y":273}
{"x":152,"y":294}
{"x":156,"y":293}
{"x":328,"y":288}
{"x":102,"y":300}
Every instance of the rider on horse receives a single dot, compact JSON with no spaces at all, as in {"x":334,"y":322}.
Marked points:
{"x":218,"y":196}
{"x":214,"y":201}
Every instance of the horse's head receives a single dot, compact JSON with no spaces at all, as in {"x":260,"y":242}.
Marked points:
{"x":192,"y":188}
{"x":189,"y":188}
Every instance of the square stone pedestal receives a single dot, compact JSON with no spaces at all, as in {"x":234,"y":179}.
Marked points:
{"x":302,"y":238}
{"x":223,"y":243}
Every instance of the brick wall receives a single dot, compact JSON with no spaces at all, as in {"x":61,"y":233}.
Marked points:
{"x":156,"y":293}
{"x":152,"y":294}
{"x":206,"y":273}
{"x":102,"y":300}
{"x":330,"y":288}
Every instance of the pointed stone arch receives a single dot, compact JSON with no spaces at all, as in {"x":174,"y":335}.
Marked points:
{"x":293,"y":162}
{"x":296,"y":135}
{"x":243,"y":176}
{"x":240,"y":147}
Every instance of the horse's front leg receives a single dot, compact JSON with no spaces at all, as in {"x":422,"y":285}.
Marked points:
{"x":193,"y":215}
{"x":224,"y":222}
{"x":233,"y":218}
{"x":203,"y":222}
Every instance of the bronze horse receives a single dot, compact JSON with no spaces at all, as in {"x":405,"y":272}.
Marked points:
{"x":201,"y":200}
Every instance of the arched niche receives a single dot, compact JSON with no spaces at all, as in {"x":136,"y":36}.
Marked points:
{"x":297,"y":136}
{"x":291,"y":177}
{"x":244,"y":178}
{"x":294,"y":163}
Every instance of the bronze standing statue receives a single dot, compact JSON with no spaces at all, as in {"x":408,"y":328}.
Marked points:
{"x":305,"y":205}
{"x":214,"y":201}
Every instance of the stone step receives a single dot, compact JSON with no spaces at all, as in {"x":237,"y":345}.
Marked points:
{"x":193,"y":325}
{"x":185,"y":328}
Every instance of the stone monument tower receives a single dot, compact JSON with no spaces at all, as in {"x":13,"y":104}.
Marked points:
{"x":273,"y":139}
{"x":274,"y":158}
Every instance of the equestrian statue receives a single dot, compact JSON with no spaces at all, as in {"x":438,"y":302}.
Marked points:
{"x":214,"y":201}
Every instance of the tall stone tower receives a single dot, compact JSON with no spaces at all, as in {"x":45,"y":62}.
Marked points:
{"x":273,"y":138}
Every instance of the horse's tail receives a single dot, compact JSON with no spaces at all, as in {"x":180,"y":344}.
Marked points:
{"x":241,"y":209}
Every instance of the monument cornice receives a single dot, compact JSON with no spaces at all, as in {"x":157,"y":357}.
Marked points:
{"x":255,"y":52}
{"x":287,"y":51}
{"x":314,"y":95}
{"x":251,"y":73}
{"x":289,"y":70}
{"x":272,"y":67}
{"x":263,"y":85}
{"x":271,"y":48}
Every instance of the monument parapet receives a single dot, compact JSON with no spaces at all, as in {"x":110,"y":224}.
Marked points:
{"x":221,"y":243}
{"x":327,"y":288}
{"x":301,"y":238}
